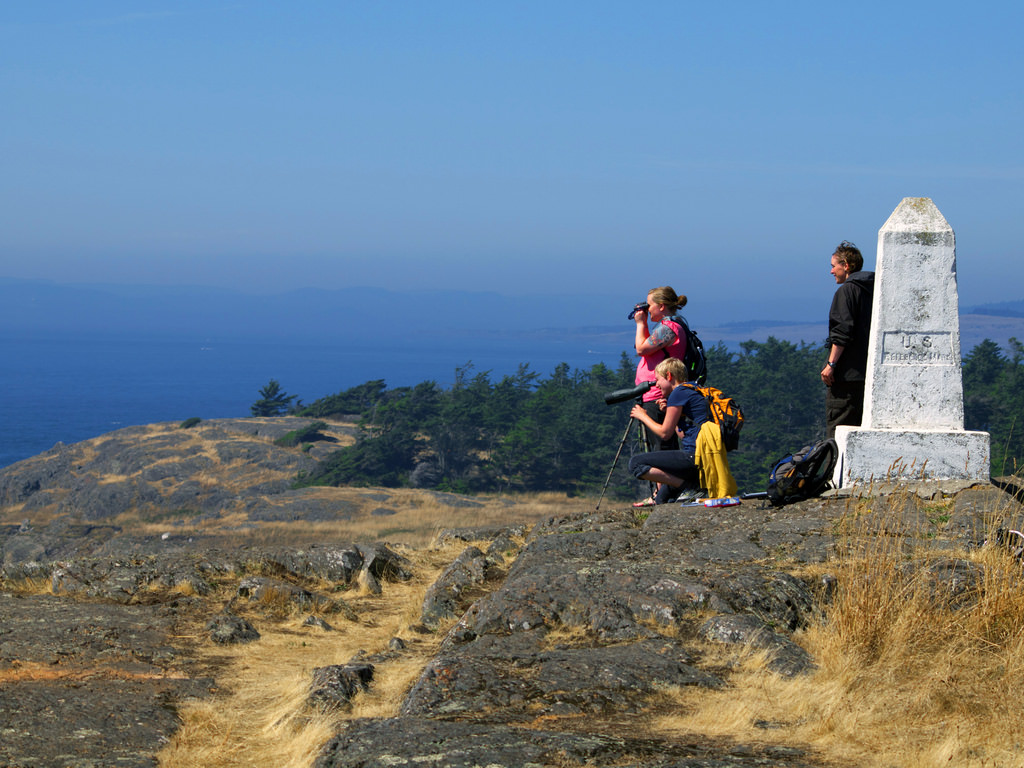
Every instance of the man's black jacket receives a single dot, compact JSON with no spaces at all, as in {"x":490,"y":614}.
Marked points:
{"x":849,"y":325}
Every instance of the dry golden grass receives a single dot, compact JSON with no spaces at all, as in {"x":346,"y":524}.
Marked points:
{"x":27,"y":586}
{"x":235,"y":476}
{"x":20,"y":672}
{"x":259,"y":714}
{"x":568,"y":636}
{"x":418,"y":517}
{"x":904,"y":678}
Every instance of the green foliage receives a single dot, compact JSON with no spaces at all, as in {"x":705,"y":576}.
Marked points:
{"x":351,"y":402}
{"x":189,"y":422}
{"x":994,"y":401}
{"x":388,"y":444}
{"x":307,"y":434}
{"x":778,"y":386}
{"x":520,"y":433}
{"x":273,"y":400}
{"x":526,"y":432}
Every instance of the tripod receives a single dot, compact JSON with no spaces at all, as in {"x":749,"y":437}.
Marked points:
{"x":644,"y":441}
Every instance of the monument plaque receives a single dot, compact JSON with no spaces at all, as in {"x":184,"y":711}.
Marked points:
{"x":913,"y":423}
{"x":918,"y":348}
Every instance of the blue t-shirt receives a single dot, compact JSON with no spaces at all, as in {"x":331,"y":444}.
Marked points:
{"x":695,"y":410}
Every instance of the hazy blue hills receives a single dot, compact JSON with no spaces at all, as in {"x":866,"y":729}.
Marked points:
{"x":40,"y":308}
{"x":1001,"y":309}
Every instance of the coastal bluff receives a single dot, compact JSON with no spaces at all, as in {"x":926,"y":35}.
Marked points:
{"x":137,"y":568}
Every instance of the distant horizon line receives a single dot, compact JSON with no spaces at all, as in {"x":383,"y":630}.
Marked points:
{"x":1011,"y":308}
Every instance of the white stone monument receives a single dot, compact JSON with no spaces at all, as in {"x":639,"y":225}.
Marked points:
{"x":913,"y":423}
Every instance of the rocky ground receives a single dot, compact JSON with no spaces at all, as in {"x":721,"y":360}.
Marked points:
{"x":557,"y":636}
{"x":212,"y":469}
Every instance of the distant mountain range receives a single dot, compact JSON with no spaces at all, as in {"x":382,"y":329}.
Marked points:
{"x":41,"y":308}
{"x":999,"y":309}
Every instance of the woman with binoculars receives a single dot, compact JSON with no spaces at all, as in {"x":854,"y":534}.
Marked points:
{"x":665,"y":340}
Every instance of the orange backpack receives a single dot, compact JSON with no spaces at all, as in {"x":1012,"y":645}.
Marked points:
{"x":725,"y":412}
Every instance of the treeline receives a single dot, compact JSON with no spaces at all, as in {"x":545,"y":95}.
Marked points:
{"x":994,"y":401}
{"x":528,"y":432}
{"x":523,"y":432}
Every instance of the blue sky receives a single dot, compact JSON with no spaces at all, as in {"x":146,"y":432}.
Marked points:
{"x":559,"y":148}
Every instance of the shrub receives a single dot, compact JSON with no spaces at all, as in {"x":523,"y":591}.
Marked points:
{"x":307,"y":434}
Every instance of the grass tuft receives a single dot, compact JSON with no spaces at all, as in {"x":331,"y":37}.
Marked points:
{"x":910,"y":672}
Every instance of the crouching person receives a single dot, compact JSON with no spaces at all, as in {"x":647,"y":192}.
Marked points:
{"x":675,"y":470}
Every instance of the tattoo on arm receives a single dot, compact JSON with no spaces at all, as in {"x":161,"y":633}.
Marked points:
{"x":661,"y":337}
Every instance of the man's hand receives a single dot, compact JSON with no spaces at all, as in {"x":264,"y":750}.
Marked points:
{"x":828,"y":372}
{"x":828,"y":375}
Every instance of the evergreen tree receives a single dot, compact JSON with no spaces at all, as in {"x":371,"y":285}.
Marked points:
{"x":389,"y":442}
{"x":457,"y":431}
{"x":994,"y":401}
{"x":273,"y":400}
{"x":353,"y":401}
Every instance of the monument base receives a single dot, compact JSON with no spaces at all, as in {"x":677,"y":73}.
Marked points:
{"x":884,"y":455}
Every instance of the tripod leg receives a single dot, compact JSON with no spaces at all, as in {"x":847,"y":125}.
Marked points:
{"x":622,"y":442}
{"x":645,"y":443}
{"x":645,"y":438}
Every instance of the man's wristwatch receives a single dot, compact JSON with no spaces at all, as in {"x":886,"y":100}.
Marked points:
{"x":830,"y":364}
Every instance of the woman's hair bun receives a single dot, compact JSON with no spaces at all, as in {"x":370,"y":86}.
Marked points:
{"x":666,"y":295}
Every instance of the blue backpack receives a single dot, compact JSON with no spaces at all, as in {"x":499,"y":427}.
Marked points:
{"x":804,"y":474}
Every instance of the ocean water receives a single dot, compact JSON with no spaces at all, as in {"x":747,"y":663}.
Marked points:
{"x":68,"y":389}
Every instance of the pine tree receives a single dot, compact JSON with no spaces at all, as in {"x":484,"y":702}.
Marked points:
{"x":273,"y":400}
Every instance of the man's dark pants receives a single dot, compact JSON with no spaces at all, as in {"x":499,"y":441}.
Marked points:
{"x":844,"y":405}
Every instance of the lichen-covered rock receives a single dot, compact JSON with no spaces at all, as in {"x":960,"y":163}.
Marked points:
{"x":121,"y":580}
{"x":512,"y":678}
{"x":481,"y":533}
{"x":331,"y":562}
{"x":228,"y":628}
{"x":786,"y":657}
{"x":448,"y":596}
{"x":270,"y":590}
{"x":333,"y":687}
{"x":614,"y":581}
{"x":411,"y":742}
{"x":626,"y":595}
{"x":380,"y":563}
{"x":89,"y":683}
{"x":318,"y":622}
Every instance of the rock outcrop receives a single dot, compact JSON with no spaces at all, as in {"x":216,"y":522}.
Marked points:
{"x":211,"y":469}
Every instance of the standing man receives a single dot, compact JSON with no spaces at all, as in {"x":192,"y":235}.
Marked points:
{"x":849,"y":327}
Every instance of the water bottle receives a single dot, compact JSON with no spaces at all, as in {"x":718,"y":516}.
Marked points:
{"x":727,"y":501}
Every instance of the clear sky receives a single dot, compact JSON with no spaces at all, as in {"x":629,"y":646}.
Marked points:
{"x":557,"y":147}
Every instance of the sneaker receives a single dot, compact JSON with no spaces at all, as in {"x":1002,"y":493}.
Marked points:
{"x":690,"y":495}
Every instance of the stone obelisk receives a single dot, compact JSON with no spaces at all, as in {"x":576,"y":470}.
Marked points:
{"x":913,"y":423}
